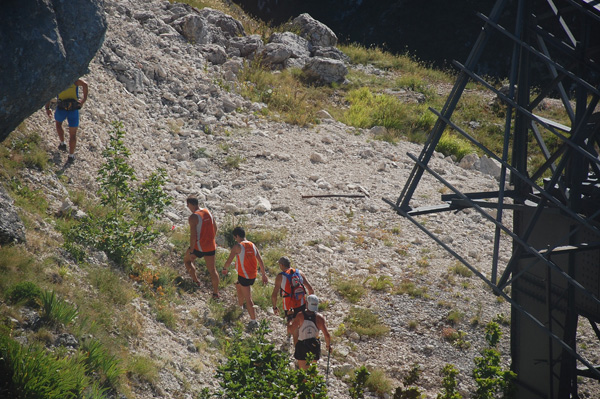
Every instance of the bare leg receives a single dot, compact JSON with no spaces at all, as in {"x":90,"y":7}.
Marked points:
{"x":302,"y":364}
{"x":240,"y":294}
{"x":72,"y":139}
{"x":246,"y":294}
{"x":214,"y":276}
{"x":188,"y":260}
{"x":60,"y":131}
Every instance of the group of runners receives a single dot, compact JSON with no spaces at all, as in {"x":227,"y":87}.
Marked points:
{"x":300,"y":304}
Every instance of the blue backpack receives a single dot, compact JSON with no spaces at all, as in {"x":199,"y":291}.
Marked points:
{"x":296,"y":284}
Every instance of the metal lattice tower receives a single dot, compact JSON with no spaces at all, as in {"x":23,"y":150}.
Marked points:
{"x":553,"y":276}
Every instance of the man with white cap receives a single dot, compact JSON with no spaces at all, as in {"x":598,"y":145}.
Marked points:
{"x":309,"y":322}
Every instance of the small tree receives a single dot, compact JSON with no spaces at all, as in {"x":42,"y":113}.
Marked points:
{"x":492,"y":382}
{"x":449,"y":383}
{"x":125,"y":222}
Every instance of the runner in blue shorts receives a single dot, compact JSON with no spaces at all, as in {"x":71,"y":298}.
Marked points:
{"x":68,"y":108}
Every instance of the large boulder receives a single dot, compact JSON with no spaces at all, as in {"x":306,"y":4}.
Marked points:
{"x":317,"y":33}
{"x":46,"y":45}
{"x":246,"y":45}
{"x":274,"y":53}
{"x":229,"y":26}
{"x":298,"y":46}
{"x":11,"y":226}
{"x":325,"y":70}
{"x":208,"y":26}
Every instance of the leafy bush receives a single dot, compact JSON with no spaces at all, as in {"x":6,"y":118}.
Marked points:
{"x":452,"y":145}
{"x":357,"y":388}
{"x":25,"y":292}
{"x":365,"y":322}
{"x":449,"y":372}
{"x":125,"y":224}
{"x":254,"y":369}
{"x":490,"y":379}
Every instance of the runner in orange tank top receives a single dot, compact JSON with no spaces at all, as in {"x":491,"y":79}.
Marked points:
{"x":203,"y":231}
{"x":247,"y":258}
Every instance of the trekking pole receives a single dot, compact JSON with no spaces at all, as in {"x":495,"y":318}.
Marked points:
{"x":327,"y":373}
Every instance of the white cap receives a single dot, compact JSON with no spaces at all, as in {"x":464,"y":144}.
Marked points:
{"x":312,"y":303}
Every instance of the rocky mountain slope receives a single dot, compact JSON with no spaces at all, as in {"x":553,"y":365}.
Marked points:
{"x":182,"y":113}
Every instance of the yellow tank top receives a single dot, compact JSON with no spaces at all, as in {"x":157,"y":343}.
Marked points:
{"x":70,"y":93}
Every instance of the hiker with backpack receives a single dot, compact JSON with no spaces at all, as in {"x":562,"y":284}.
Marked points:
{"x":67,"y":108}
{"x":293,"y":287}
{"x":306,"y":326}
{"x":247,"y":258}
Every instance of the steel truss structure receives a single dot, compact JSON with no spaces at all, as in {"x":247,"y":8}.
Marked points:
{"x":552,"y":280}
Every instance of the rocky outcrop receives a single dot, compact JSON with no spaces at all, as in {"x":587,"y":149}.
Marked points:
{"x":45,"y":46}
{"x":11,"y":226}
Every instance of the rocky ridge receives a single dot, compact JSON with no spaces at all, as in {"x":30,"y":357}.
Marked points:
{"x":177,"y":99}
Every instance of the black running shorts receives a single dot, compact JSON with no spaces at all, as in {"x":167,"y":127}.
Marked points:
{"x":303,"y":348}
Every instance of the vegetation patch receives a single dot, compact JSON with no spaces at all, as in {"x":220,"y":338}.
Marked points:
{"x":351,"y":289}
{"x":365,"y":322}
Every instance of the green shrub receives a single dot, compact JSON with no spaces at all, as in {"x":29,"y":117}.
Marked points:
{"x":491,"y":380}
{"x":254,"y":369}
{"x":126,"y":221}
{"x":449,"y":372}
{"x":359,"y":382}
{"x":453,"y":145}
{"x":25,"y":292}
{"x":365,"y":322}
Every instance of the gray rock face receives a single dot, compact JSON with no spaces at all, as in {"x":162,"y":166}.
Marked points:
{"x":11,"y":226}
{"x":45,"y":47}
